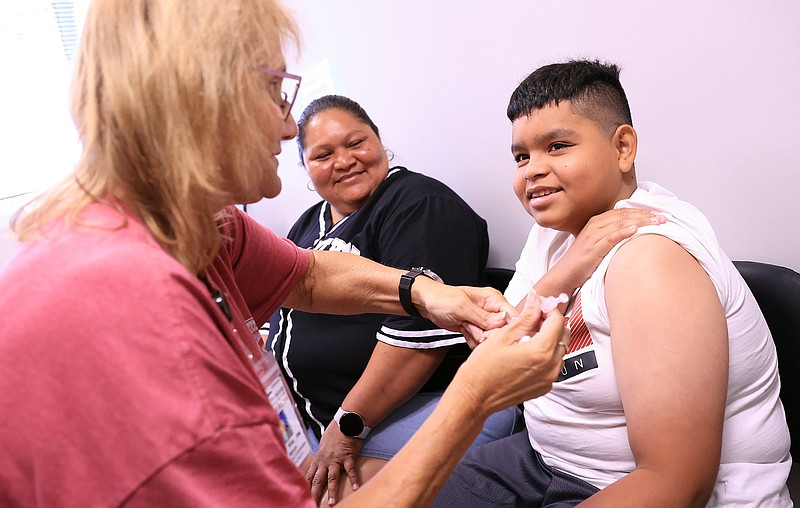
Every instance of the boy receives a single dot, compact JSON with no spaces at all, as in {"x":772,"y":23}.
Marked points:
{"x":668,"y":346}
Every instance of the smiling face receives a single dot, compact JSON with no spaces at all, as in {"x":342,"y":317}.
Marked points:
{"x":568,"y":169}
{"x":344,"y":158}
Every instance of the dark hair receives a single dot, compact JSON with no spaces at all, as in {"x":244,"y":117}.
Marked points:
{"x":325,"y":103}
{"x":592,"y":88}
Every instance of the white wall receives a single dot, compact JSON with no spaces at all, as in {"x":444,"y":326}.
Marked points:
{"x":8,"y":242}
{"x":712,"y":85}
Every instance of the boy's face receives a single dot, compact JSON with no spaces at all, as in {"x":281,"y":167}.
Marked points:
{"x":568,"y":170}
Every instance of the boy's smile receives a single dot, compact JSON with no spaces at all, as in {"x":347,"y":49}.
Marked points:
{"x":568,"y":169}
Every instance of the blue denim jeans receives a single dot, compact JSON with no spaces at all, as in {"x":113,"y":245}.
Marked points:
{"x":386,"y":439}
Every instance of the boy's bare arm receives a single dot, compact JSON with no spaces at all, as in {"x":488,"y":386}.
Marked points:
{"x":670,"y":353}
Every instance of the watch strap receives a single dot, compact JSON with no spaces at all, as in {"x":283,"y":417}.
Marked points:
{"x":406,"y":280}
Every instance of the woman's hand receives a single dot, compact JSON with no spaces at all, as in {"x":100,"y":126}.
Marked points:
{"x":464,"y":309}
{"x":593,"y":243}
{"x":517,"y":362}
{"x":336,"y":451}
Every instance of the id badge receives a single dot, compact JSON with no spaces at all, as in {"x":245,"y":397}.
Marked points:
{"x":289,"y":421}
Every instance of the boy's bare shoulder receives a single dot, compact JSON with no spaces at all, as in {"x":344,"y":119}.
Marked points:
{"x":649,"y":260}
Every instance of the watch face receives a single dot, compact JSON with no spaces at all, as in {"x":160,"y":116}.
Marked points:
{"x":427,"y":273}
{"x":351,"y":424}
{"x":431,"y":275}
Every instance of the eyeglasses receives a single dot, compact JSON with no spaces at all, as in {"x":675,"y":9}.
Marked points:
{"x":290,"y":84}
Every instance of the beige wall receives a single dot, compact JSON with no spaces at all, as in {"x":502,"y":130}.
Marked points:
{"x":712,"y":85}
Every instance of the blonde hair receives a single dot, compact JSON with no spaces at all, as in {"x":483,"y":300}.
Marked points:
{"x":167,"y":103}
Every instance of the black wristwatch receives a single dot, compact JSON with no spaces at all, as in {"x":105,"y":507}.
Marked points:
{"x":406,"y":280}
{"x":351,"y":424}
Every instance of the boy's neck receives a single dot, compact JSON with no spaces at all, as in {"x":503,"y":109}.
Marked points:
{"x":626,"y":191}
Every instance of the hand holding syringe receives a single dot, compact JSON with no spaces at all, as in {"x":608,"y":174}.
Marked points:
{"x":546,"y":304}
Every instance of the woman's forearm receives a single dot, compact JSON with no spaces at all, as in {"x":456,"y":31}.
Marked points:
{"x":393,"y":375}
{"x":341,"y":283}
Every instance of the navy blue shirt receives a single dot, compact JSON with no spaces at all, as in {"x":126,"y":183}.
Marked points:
{"x":410,"y":220}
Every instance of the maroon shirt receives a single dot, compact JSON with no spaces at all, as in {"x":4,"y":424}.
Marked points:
{"x":121,"y":382}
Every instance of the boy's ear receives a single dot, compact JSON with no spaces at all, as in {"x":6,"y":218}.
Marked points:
{"x":625,"y":142}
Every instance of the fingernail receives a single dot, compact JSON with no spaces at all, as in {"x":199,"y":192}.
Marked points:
{"x":524,"y":338}
{"x":531,"y":298}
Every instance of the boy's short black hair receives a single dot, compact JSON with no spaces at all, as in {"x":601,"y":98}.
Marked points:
{"x":325,"y":103}
{"x":592,"y":88}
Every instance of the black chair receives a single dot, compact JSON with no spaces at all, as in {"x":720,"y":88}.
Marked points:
{"x":777,"y":291}
{"x":499,"y":277}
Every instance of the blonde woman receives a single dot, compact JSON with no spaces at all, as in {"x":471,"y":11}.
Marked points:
{"x":128,"y":343}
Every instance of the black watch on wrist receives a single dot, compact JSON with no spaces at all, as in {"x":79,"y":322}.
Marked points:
{"x":406,"y":280}
{"x":351,"y":424}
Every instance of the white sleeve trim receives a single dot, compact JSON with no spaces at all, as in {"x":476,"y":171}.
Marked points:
{"x":396,"y":338}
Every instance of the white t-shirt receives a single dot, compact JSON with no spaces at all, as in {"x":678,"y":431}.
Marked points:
{"x":579,"y":427}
